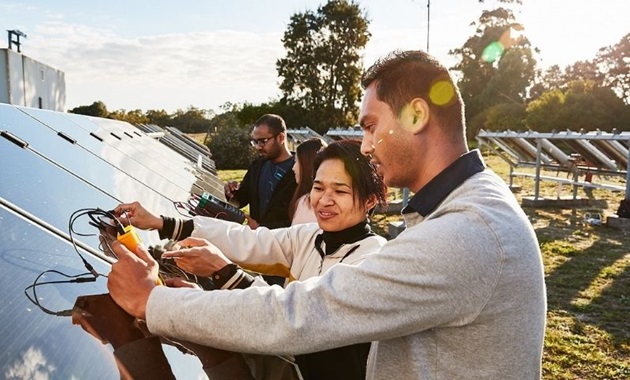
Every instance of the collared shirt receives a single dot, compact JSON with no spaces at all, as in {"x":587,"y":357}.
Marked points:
{"x":434,"y":192}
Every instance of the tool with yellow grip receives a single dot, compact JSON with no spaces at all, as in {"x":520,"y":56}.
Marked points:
{"x":130,"y":239}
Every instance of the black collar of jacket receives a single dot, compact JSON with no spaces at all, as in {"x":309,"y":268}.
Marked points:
{"x":434,"y":192}
{"x":336,"y":239}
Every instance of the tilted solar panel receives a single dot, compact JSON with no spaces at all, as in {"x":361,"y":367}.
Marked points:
{"x":54,"y":164}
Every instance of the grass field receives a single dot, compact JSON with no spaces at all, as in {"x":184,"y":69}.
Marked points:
{"x":587,"y":271}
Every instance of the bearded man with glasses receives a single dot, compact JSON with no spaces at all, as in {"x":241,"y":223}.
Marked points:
{"x":269,"y":183}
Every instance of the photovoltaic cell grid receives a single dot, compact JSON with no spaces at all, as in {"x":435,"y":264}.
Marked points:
{"x":38,"y":345}
{"x":111,"y":156}
{"x":52,"y":165}
{"x":579,"y":154}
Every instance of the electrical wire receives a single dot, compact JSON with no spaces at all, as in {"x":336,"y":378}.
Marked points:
{"x":105,"y":221}
{"x":97,"y":219}
{"x":93,"y":214}
{"x":79,"y":278}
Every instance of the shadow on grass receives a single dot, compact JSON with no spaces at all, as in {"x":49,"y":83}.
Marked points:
{"x":593,"y":284}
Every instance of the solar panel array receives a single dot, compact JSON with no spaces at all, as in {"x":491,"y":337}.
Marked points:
{"x":299,"y":135}
{"x":182,"y":144}
{"x":579,"y":154}
{"x":53,"y":164}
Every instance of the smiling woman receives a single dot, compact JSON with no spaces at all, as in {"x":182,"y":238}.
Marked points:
{"x":346,"y":187}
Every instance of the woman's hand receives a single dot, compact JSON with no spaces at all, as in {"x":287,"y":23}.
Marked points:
{"x":200,"y":257}
{"x":178,"y":282}
{"x":136,"y":215}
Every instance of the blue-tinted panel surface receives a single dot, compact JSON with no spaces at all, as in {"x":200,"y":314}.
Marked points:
{"x":46,"y":140}
{"x":36,"y":345}
{"x":151,"y":153}
{"x":52,"y":194}
{"x":83,"y":163}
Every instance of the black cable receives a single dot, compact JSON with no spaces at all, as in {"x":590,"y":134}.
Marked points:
{"x":93,"y":214}
{"x":79,"y":278}
{"x":96,"y":220}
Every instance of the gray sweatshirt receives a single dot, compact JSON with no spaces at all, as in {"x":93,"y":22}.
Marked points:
{"x":459,"y":294}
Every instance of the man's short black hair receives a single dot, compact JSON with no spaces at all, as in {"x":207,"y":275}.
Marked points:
{"x":275,"y":123}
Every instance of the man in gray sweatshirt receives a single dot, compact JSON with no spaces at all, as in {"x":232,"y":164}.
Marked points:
{"x":459,"y":294}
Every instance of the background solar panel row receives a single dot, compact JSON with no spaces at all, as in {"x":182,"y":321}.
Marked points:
{"x":580,"y":153}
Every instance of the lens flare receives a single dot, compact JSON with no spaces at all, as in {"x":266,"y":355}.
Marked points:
{"x":442,"y":93}
{"x":492,"y":52}
{"x":510,"y":37}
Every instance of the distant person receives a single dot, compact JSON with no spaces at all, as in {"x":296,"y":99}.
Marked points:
{"x":345,"y":188}
{"x":300,"y":210}
{"x":269,"y":182}
{"x":460,"y":294}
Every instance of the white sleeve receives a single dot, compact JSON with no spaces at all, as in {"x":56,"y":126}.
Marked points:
{"x":419,"y":280}
{"x":260,"y":250}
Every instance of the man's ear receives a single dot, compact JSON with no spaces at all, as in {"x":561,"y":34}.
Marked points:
{"x":415,"y":116}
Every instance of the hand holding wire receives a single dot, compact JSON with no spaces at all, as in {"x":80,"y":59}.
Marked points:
{"x":200,"y":257}
{"x":132,"y":278}
{"x":134,"y":213}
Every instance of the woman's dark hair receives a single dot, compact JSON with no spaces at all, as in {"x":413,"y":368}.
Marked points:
{"x":365,"y":180}
{"x":305,"y":155}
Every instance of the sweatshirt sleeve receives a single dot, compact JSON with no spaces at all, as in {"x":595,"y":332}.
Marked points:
{"x":419,"y":280}
{"x":261,"y":250}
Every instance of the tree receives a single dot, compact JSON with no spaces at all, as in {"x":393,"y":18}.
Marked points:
{"x":230,"y":146}
{"x":503,"y":116}
{"x":613,"y":63}
{"x":322,"y":70}
{"x":97,"y":109}
{"x":542,"y":113}
{"x":582,"y":105}
{"x":581,"y":71}
{"x":133,"y":117}
{"x":552,"y":78}
{"x":497,"y":65}
{"x":159,"y":117}
{"x":193,"y":120}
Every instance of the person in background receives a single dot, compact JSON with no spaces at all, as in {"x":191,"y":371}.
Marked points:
{"x":300,"y":210}
{"x":459,"y":294}
{"x":345,"y":188}
{"x":269,"y":182}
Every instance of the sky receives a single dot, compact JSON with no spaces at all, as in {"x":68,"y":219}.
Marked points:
{"x":140,"y":54}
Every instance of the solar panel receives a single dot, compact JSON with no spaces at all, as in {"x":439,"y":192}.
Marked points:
{"x":52,"y":165}
{"x":108,"y":170}
{"x":142,"y":157}
{"x":577,"y":153}
{"x":39,"y":345}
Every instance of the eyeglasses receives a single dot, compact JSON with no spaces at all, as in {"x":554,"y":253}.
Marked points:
{"x":262,"y":142}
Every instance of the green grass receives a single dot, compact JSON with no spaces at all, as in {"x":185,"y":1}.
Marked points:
{"x":231,"y":175}
{"x":587,"y":270}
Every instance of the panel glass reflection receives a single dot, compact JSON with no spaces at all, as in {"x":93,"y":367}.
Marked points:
{"x":37,"y":345}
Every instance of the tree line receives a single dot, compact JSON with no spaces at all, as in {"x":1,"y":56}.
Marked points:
{"x":497,"y":72}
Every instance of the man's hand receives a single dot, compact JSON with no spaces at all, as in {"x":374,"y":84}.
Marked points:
{"x":132,"y":279}
{"x":201,"y":258}
{"x":229,"y":189}
{"x":136,"y":215}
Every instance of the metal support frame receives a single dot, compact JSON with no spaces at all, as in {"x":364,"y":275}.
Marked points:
{"x":604,"y":154}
